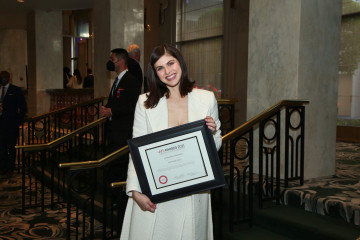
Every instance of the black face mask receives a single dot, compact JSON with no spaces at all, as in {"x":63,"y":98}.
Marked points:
{"x":2,"y":81}
{"x":110,"y":66}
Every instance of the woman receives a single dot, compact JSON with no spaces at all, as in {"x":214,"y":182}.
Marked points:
{"x":67,"y":76}
{"x":171,"y":101}
{"x":76,"y":80}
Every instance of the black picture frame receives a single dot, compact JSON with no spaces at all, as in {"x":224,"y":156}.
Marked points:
{"x":146,"y":152}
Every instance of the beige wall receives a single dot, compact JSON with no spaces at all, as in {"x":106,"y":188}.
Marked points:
{"x":44,"y":56}
{"x":151,"y":34}
{"x":117,"y":24}
{"x":235,"y":56}
{"x":344,"y":95}
{"x":13,"y":57}
{"x":158,"y":33}
{"x":293,"y":54}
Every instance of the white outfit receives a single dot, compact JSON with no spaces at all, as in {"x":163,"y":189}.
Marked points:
{"x":186,"y":218}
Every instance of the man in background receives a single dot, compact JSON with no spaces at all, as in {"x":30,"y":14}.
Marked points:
{"x":134,"y":62}
{"x":120,"y":110}
{"x":12,"y":111}
{"x":89,"y":79}
{"x":123,"y":96}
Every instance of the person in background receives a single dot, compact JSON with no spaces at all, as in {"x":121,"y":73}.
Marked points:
{"x":120,"y":110}
{"x":170,"y":102}
{"x":134,"y":62}
{"x":120,"y":107}
{"x":12,"y":111}
{"x":89,"y":79}
{"x":67,"y":76}
{"x":75,"y":81}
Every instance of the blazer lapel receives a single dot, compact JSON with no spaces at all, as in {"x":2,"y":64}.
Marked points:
{"x":196,"y":108}
{"x":119,"y":85}
{"x":158,"y":116}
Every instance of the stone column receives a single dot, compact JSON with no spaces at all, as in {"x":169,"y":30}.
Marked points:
{"x":45,"y":58}
{"x":293,"y":54}
{"x":355,"y":98}
{"x":235,"y":55}
{"x":117,"y":24}
{"x":13,"y":54}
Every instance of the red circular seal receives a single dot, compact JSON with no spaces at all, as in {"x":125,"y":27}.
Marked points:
{"x":163,"y":179}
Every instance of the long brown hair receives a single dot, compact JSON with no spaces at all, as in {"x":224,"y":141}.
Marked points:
{"x":158,"y":89}
{"x":78,"y":76}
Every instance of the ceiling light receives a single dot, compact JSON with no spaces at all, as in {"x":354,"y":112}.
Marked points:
{"x":20,"y":1}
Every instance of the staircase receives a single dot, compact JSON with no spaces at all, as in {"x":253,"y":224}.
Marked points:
{"x":280,"y":222}
{"x":248,"y":209}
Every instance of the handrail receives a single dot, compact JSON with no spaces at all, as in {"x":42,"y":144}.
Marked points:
{"x":118,"y":184}
{"x":37,"y":147}
{"x":265,"y":114}
{"x":270,"y":111}
{"x":227,"y":101}
{"x":96,"y":163}
{"x":64,"y":109}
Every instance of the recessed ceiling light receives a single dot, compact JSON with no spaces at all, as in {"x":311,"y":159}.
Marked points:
{"x":20,"y":1}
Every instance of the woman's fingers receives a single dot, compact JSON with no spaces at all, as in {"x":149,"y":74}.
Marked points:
{"x":210,"y":123}
{"x":144,"y":202}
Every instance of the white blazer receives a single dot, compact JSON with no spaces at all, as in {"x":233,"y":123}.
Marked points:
{"x":197,"y":207}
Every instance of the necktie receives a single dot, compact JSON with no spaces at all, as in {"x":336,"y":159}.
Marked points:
{"x":115,"y":85}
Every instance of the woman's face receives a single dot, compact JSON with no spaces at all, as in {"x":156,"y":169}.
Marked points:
{"x":168,"y":70}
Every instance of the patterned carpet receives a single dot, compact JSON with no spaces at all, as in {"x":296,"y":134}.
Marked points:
{"x":337,"y":196}
{"x":33,"y":224}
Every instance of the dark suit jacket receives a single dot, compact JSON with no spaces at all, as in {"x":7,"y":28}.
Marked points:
{"x":14,"y":106}
{"x":135,"y":69}
{"x":89,"y":81}
{"x":123,"y":102}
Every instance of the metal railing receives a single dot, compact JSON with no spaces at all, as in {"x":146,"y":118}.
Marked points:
{"x":259,"y":141}
{"x":113,"y":208}
{"x":47,"y":127}
{"x":40,"y":163}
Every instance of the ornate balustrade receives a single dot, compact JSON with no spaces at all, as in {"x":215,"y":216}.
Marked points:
{"x":255,"y":150}
{"x":47,"y":127}
{"x":60,"y":98}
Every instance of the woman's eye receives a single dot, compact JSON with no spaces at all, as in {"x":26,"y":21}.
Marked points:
{"x":158,"y":69}
{"x":170,"y":63}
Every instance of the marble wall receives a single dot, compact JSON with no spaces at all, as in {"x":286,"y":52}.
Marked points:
{"x":235,"y":55}
{"x":117,"y":24}
{"x":355,"y":94}
{"x":45,"y":57}
{"x":293,"y":54}
{"x":13,"y":57}
{"x":152,"y":33}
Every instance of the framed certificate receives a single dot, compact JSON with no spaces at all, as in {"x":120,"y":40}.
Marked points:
{"x":177,"y":162}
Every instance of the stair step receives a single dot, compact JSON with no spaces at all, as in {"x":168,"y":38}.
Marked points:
{"x":297,"y":223}
{"x":254,"y":233}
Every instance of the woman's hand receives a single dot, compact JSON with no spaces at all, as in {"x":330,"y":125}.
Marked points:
{"x":144,"y":202}
{"x":211,"y":124}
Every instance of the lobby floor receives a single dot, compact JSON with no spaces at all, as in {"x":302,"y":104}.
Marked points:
{"x":338,"y":195}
